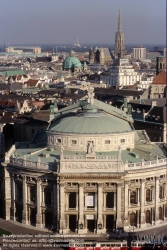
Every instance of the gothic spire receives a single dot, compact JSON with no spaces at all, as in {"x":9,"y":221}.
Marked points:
{"x":119,"y":40}
{"x":119,"y":22}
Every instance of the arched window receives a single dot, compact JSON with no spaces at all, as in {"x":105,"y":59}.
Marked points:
{"x":161,"y":192}
{"x":32,"y":193}
{"x":148,"y":195}
{"x":133,"y":197}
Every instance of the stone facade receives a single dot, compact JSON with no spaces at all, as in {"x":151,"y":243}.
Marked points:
{"x":86,"y":188}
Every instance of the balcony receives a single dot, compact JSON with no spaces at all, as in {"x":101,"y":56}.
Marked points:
{"x":151,"y":202}
{"x":109,"y":209}
{"x":134,"y":205}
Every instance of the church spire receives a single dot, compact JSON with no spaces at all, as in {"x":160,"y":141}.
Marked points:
{"x":119,"y":22}
{"x":119,"y":40}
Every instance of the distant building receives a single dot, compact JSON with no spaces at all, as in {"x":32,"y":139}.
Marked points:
{"x":160,"y":64}
{"x":121,"y":74}
{"x":158,"y":87}
{"x":72,"y":63}
{"x":37,"y":50}
{"x":119,"y":40}
{"x":100,"y":56}
{"x":139,"y":52}
{"x":165,"y":51}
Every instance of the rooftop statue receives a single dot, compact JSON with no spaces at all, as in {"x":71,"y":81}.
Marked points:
{"x":90,"y":147}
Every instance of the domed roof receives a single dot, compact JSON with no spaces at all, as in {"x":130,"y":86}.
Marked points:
{"x":71,"y":62}
{"x":87,"y":122}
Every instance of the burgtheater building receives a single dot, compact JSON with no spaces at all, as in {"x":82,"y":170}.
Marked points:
{"x":89,"y":172}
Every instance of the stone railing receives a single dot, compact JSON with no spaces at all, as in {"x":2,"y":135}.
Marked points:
{"x":146,"y":164}
{"x":31,"y":164}
{"x":89,"y":157}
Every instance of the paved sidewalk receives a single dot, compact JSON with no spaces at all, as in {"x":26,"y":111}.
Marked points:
{"x":149,"y":227}
{"x":17,"y":228}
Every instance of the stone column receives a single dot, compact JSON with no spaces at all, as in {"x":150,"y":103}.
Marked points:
{"x":77,"y":201}
{"x":24,"y":212}
{"x":104,"y":197}
{"x":96,"y":201}
{"x":153,"y":194}
{"x":156,"y":199}
{"x":115,"y":201}
{"x":126,"y":198}
{"x":28,"y":193}
{"x":62,"y":199}
{"x":138,"y":222}
{"x":81,"y":204}
{"x":43,"y":195}
{"x":39,"y":213}
{"x":129,"y":204}
{"x":142,"y":202}
{"x":7,"y":197}
{"x":164,"y":133}
{"x":119,"y":220}
{"x":99,"y":209}
{"x":138,"y":196}
{"x":12,"y":210}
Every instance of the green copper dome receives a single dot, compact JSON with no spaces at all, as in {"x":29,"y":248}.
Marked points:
{"x":90,"y":124}
{"x":72,"y":62}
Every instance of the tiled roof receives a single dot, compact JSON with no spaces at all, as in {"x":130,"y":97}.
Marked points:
{"x":160,"y":78}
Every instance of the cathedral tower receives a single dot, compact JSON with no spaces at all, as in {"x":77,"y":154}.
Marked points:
{"x":119,"y":40}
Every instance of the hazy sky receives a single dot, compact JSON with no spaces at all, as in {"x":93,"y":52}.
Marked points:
{"x":93,"y":21}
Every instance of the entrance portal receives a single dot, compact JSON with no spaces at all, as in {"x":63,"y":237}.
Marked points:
{"x":109,"y":223}
{"x":72,"y":222}
{"x":91,"y":225}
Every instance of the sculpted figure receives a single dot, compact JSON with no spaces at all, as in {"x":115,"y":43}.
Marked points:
{"x":90,"y":147}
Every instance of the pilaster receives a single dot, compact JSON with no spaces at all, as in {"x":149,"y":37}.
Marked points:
{"x":39,"y":212}
{"x":119,"y":220}
{"x":142,"y":202}
{"x":99,"y":209}
{"x":156,"y":200}
{"x":24,"y":212}
{"x":13,"y":209}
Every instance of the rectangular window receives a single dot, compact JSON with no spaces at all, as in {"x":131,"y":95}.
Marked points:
{"x":59,"y":140}
{"x":122,"y":140}
{"x":74,"y":142}
{"x":107,"y":142}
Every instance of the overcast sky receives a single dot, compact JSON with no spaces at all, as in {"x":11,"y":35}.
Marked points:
{"x":93,"y":21}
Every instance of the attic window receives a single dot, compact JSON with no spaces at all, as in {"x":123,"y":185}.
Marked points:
{"x":74,"y":142}
{"x":122,"y":140}
{"x":107,"y":142}
{"x":58,"y":140}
